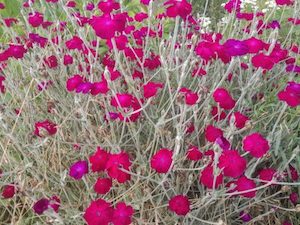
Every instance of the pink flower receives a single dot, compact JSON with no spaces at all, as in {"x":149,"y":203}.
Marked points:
{"x":115,"y":163}
{"x":262,"y":61}
{"x":68,"y":60}
{"x":239,"y":119}
{"x":122,"y":100}
{"x":233,"y":5}
{"x":294,"y":173}
{"x":75,"y":43}
{"x":79,"y":169}
{"x":107,"y":6}
{"x":54,"y":203}
{"x":16,"y":51}
{"x":284,"y":2}
{"x":291,"y":94}
{"x":121,"y":42}
{"x":180,"y":204}
{"x":180,"y":8}
{"x":194,"y":153}
{"x":256,"y":145}
{"x":245,"y":184}
{"x":246,"y":217}
{"x":99,"y":87}
{"x":41,"y":206}
{"x":162,"y":160}
{"x":122,"y":214}
{"x":84,"y":87}
{"x":223,"y":143}
{"x":222,"y":96}
{"x":294,"y":198}
{"x":2,"y":5}
{"x":102,"y":185}
{"x":99,"y":212}
{"x":46,"y":125}
{"x":266,"y":174}
{"x":139,"y":17}
{"x":212,"y":133}
{"x":254,"y":45}
{"x":236,"y":48}
{"x":9,"y":191}
{"x":151,"y":88}
{"x":71,"y":4}
{"x":35,"y":19}
{"x":73,"y":82}
{"x":232,"y":163}
{"x":207,"y":178}
{"x":90,"y":6}
{"x":2,"y":87}
{"x":99,"y":160}
{"x":51,"y":61}
{"x":107,"y":25}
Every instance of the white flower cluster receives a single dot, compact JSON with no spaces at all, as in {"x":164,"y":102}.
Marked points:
{"x":270,"y":4}
{"x":251,"y":3}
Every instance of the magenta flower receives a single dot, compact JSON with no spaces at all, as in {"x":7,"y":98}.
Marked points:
{"x":254,"y":45}
{"x":256,"y":145}
{"x":73,"y":82}
{"x":232,"y":163}
{"x":223,"y":98}
{"x":115,"y":163}
{"x":194,"y":153}
{"x":99,"y":88}
{"x":151,"y":88}
{"x":79,"y":169}
{"x":51,"y":61}
{"x":243,"y":184}
{"x":16,"y":51}
{"x":2,"y":87}
{"x":217,"y":114}
{"x":180,"y":8}
{"x":68,"y":60}
{"x":9,"y":191}
{"x":291,"y":94}
{"x":212,"y":133}
{"x":236,"y":48}
{"x":284,"y":2}
{"x":240,"y":119}
{"x":84,"y":87}
{"x":102,"y":185}
{"x":207,"y":178}
{"x":75,"y":43}
{"x":35,"y":19}
{"x":294,"y":198}
{"x":99,"y":212}
{"x":246,"y":217}
{"x":266,"y":174}
{"x":107,"y":6}
{"x":99,"y":160}
{"x":162,"y":160}
{"x":46,"y":125}
{"x":122,"y":214}
{"x":180,"y":204}
{"x":122,"y":100}
{"x":90,"y":6}
{"x":41,"y":206}
{"x":262,"y":61}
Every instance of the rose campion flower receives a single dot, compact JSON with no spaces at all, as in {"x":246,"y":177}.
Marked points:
{"x":284,"y":2}
{"x":102,"y":185}
{"x":9,"y":191}
{"x":51,"y":61}
{"x":99,"y":212}
{"x":179,"y":204}
{"x":75,"y":43}
{"x":291,"y":94}
{"x":212,"y":133}
{"x":79,"y":169}
{"x":2,"y":87}
{"x":223,"y":98}
{"x":99,"y":88}
{"x":266,"y":174}
{"x":217,"y":113}
{"x":73,"y":82}
{"x":16,"y":51}
{"x":254,"y":45}
{"x":46,"y":125}
{"x":246,"y":217}
{"x":245,"y":184}
{"x":44,"y":204}
{"x":180,"y":8}
{"x":35,"y":19}
{"x":294,"y":198}
{"x":263,"y":61}
{"x":194,"y":153}
{"x":151,"y":88}
{"x":162,"y":160}
{"x":122,"y":214}
{"x":107,"y":6}
{"x":117,"y":162}
{"x":240,"y":119}
{"x":99,"y":160}
{"x":207,"y":178}
{"x":232,"y":163}
{"x":256,"y":145}
{"x":236,"y":48}
{"x":68,"y":60}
